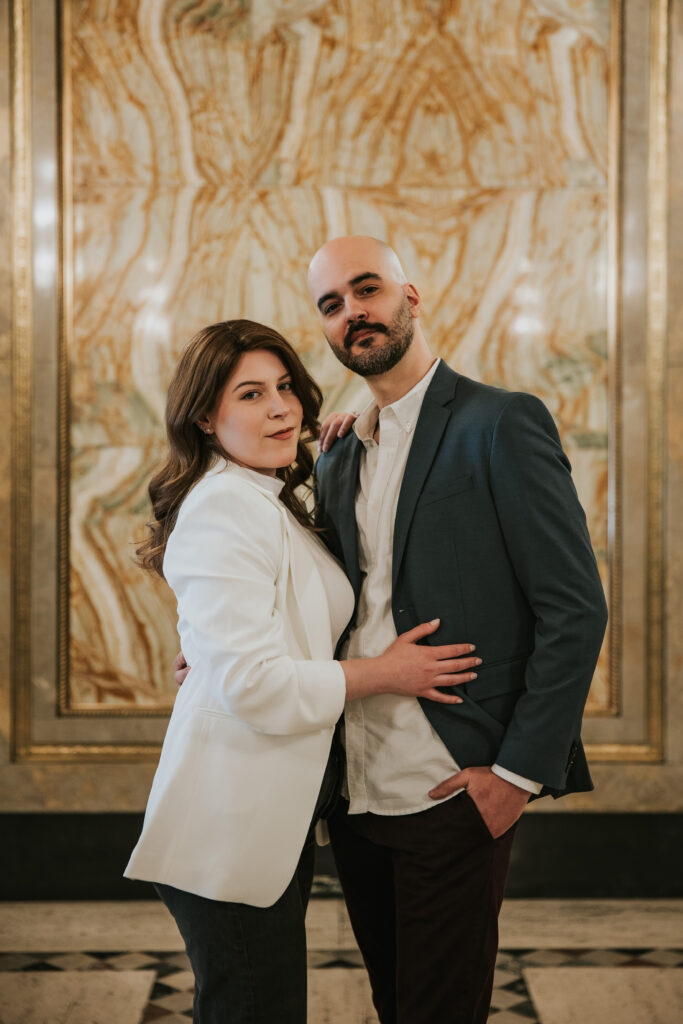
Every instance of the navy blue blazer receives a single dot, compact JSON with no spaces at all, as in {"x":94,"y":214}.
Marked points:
{"x":489,"y":537}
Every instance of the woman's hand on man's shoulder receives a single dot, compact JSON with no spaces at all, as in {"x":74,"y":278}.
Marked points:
{"x":337,"y":424}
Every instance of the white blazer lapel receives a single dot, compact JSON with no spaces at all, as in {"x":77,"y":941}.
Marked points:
{"x":310,"y":599}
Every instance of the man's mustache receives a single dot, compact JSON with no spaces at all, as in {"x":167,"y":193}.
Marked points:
{"x":361,"y":325}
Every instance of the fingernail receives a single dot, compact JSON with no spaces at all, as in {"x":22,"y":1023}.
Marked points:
{"x":435,"y":622}
{"x":458,"y":700}
{"x":478,"y":661}
{"x":473,"y":675}
{"x":472,"y":647}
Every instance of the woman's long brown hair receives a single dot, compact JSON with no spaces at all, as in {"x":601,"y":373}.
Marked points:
{"x":203,"y":371}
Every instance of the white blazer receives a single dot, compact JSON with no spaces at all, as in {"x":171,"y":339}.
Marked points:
{"x":249,"y":736}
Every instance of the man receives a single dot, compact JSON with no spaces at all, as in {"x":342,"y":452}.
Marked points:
{"x":454,"y":500}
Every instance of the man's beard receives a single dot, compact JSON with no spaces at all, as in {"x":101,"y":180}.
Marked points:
{"x":379,"y":358}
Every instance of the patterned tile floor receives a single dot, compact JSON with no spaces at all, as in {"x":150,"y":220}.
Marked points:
{"x":171,"y":998}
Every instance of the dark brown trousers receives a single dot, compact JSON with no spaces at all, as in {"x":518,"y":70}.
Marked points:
{"x":423,"y":893}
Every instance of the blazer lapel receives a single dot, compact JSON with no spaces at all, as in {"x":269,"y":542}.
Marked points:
{"x":429,"y":430}
{"x":345,"y":514}
{"x":310,"y":609}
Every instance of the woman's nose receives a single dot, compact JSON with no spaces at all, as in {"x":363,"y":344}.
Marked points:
{"x":278,"y":404}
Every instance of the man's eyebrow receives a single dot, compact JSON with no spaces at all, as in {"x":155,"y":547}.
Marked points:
{"x":368,"y":275}
{"x":258,"y":383}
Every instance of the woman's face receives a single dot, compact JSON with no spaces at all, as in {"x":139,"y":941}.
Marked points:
{"x":257,"y":420}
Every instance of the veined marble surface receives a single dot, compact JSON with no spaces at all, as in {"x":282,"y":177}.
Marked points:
{"x":217,"y":145}
{"x":76,"y":997}
{"x":592,"y":995}
{"x":581,"y":960}
{"x":69,"y":926}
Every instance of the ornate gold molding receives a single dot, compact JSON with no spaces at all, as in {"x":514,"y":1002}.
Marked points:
{"x":22,"y":747}
{"x":651,"y":751}
{"x":658,"y":192}
{"x":614,"y":317}
{"x":66,"y":291}
{"x":91,"y":753}
{"x":65,"y":263}
{"x":22,"y":373}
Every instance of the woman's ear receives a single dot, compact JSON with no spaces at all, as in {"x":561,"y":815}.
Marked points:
{"x":205,"y":426}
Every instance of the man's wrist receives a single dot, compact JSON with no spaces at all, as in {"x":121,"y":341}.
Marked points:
{"x":520,"y":781}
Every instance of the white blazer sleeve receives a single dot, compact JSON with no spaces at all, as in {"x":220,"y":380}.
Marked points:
{"x":223,"y":560}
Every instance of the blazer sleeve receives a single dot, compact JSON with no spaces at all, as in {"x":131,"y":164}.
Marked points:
{"x":223,"y":561}
{"x":549,"y":546}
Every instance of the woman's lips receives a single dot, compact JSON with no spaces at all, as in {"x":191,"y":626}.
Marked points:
{"x":283,"y":435}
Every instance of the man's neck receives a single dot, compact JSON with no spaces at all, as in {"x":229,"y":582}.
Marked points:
{"x":389,"y":387}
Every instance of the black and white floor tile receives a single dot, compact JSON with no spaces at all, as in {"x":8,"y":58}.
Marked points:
{"x":546,"y":983}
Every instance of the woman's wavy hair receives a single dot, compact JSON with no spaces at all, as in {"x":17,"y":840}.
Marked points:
{"x":204,"y":368}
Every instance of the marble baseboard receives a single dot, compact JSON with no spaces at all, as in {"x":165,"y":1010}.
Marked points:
{"x":591,"y":924}
{"x":70,"y":927}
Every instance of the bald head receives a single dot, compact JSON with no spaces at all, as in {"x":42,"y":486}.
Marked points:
{"x":352,"y":251}
{"x":368,"y":309}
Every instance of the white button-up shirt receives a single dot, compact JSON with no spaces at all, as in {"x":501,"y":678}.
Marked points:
{"x":393,"y":755}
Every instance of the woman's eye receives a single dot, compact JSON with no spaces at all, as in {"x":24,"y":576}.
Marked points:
{"x":250,"y":394}
{"x":286,"y":385}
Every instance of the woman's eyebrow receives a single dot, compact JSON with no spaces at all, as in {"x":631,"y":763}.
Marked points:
{"x":257,"y":383}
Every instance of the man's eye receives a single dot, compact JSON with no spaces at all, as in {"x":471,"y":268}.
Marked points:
{"x":332,"y":308}
{"x":368,"y":289}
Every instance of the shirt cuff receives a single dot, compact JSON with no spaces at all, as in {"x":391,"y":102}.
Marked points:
{"x":517,"y":780}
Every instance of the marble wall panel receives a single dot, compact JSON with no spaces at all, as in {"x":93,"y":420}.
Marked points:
{"x":505,"y":301}
{"x":507,"y":92}
{"x":497,"y":305}
{"x":212,"y":147}
{"x":136,"y":302}
{"x":160,"y":91}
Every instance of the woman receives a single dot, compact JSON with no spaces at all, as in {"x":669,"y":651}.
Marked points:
{"x":261,"y":605}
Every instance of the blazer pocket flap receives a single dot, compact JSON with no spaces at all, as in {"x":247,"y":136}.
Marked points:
{"x":446,"y":490}
{"x":214,"y":713}
{"x":502,"y":677}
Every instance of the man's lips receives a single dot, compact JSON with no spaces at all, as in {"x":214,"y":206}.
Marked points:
{"x":363,"y":333}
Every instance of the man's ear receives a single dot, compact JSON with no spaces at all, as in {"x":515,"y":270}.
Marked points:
{"x":414,"y":299}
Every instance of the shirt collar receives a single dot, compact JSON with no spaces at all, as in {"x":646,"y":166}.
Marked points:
{"x":268,"y":483}
{"x":405,"y":409}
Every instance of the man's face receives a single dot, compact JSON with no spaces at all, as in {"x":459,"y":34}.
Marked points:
{"x":366,"y":314}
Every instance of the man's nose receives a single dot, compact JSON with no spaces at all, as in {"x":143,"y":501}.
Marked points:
{"x":355,"y":310}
